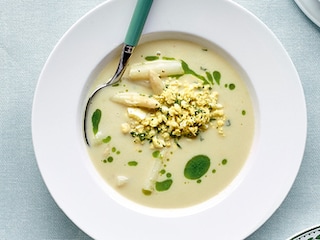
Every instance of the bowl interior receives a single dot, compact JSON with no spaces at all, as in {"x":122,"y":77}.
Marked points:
{"x":177,"y":212}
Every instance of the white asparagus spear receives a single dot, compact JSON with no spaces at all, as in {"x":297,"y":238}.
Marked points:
{"x":164,"y":68}
{"x":134,"y":99}
{"x":136,"y":113}
{"x":154,"y":174}
{"x":155,"y":82}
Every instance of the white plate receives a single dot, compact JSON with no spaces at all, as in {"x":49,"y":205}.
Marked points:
{"x":280,"y":124}
{"x":311,"y":8}
{"x":312,"y":233}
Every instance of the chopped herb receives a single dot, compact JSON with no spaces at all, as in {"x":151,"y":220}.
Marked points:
{"x":142,"y":136}
{"x":176,"y":142}
{"x":203,"y":69}
{"x":178,"y":101}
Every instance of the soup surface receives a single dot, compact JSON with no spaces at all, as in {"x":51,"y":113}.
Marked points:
{"x":176,"y":130}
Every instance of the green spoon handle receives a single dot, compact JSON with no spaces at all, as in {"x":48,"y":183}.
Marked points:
{"x":138,"y":20}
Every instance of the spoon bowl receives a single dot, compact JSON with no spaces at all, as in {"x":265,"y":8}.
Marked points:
{"x":138,"y":20}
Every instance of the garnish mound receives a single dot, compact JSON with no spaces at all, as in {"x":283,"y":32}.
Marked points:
{"x":186,"y":108}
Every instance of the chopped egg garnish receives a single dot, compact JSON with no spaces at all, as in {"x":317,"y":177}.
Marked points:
{"x":185,"y":107}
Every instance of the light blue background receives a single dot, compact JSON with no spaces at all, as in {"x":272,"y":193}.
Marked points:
{"x":29,"y":29}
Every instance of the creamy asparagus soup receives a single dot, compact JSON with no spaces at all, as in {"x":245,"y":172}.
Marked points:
{"x":176,"y":130}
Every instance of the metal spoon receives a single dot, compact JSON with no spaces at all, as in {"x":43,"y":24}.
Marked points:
{"x":138,"y":20}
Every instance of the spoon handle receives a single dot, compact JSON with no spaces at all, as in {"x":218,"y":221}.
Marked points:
{"x":137,"y":22}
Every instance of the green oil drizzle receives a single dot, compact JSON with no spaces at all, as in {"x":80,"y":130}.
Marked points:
{"x":108,"y":160}
{"x":132,"y":163}
{"x":156,"y":154}
{"x":232,"y":86}
{"x":168,"y":58}
{"x":209,"y":77}
{"x":95,"y":119}
{"x":151,"y":58}
{"x":164,"y":185}
{"x":107,"y":139}
{"x":196,"y":167}
{"x":224,"y":161}
{"x":146,"y":192}
{"x":217,"y":76}
{"x":187,"y":70}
